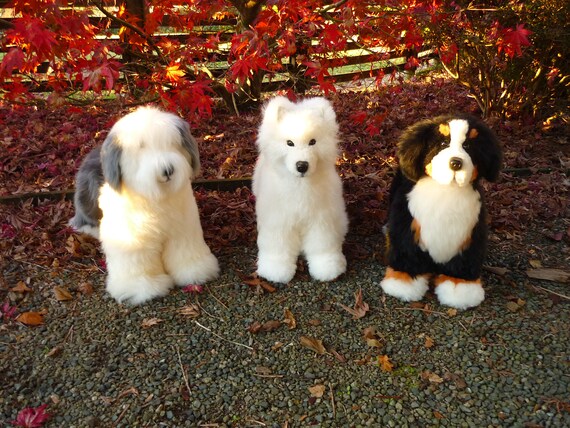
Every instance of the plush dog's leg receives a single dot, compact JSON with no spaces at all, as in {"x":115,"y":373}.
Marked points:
{"x":458,"y":293}
{"x":403,"y":286}
{"x":323,"y":250}
{"x":135,"y":277}
{"x":277,"y":256}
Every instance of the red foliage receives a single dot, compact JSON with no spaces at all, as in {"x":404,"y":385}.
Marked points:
{"x":312,"y":34}
{"x":31,"y":417}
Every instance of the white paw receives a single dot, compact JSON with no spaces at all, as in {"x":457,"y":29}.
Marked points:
{"x":197,"y":271}
{"x":403,"y":286}
{"x":134,"y":291}
{"x":326,"y":267}
{"x":275,"y":269}
{"x":460,"y":295}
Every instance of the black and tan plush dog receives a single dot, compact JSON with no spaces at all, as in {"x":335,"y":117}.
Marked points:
{"x":436,"y":224}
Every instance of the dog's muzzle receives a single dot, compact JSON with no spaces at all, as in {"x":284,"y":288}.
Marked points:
{"x":302,"y":167}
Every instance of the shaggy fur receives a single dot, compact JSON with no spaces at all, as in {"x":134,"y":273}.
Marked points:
{"x":299,"y":203}
{"x":134,"y":193}
{"x":436,"y":223}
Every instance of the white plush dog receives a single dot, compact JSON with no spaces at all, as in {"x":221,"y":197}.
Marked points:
{"x":134,"y":193}
{"x":299,"y":204}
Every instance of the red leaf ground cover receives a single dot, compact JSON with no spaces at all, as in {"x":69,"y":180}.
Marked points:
{"x":41,"y":150}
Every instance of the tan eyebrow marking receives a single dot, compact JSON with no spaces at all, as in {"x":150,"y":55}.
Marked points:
{"x":444,"y":129}
{"x":473,"y":133}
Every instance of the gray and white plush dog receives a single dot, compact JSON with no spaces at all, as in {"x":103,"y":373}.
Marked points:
{"x":134,"y":194}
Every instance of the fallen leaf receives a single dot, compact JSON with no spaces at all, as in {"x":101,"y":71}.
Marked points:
{"x":193,"y":288}
{"x":256,"y":282}
{"x":437,"y":415}
{"x":431,"y":377}
{"x":535,"y":263}
{"x":191,"y":310}
{"x":85,"y":288}
{"x":340,"y":358}
{"x":21,"y":287}
{"x":385,"y":364}
{"x":556,"y":275}
{"x":30,"y":318}
{"x":31,"y":417}
{"x":313,"y":344}
{"x":360,"y":307}
{"x":513,"y":306}
{"x":149,"y":322}
{"x":263,"y":371}
{"x":257,"y":327}
{"x":429,"y":342}
{"x":62,"y":294}
{"x":457,"y":379}
{"x":289,"y":319}
{"x":452,"y":312}
{"x":276,"y":346}
{"x":317,"y":391}
{"x":314,"y":323}
{"x":372,"y":338}
{"x":55,"y":351}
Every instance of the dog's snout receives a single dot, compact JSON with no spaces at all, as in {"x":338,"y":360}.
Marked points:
{"x":168,"y":171}
{"x":455,"y":164}
{"x":302,"y":166}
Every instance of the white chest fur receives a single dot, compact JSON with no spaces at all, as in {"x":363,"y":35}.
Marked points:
{"x":446,"y":215}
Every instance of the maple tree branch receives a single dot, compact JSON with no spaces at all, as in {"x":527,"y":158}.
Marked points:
{"x":131,"y":27}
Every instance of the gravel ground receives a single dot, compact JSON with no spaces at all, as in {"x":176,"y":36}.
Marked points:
{"x":98,"y":364}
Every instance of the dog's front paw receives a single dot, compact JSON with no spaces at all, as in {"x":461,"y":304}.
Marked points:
{"x":198,"y":271}
{"x":403,"y":286}
{"x":276,"y":269}
{"x":326,"y":267}
{"x":458,"y":293}
{"x":137,"y":290}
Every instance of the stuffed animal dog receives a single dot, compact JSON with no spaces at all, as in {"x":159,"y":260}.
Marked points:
{"x":436,"y":220}
{"x":134,"y":193}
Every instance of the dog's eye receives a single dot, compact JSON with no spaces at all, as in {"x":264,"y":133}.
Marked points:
{"x":290,"y":143}
{"x":443,"y":143}
{"x":312,"y":142}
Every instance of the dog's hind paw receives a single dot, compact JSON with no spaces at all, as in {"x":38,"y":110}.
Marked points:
{"x":276,"y":270}
{"x":458,"y":293}
{"x":403,"y":286}
{"x":138,"y":290}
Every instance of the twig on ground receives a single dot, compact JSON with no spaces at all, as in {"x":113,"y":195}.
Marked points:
{"x":184,"y":375}
{"x":553,"y":292}
{"x":332,"y":400}
{"x":223,"y":338}
{"x":429,"y":311}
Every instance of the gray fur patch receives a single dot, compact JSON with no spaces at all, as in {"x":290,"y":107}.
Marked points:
{"x":111,"y":153}
{"x":191,"y":146}
{"x":88,"y":181}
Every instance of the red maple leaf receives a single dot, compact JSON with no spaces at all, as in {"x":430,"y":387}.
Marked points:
{"x":31,"y":417}
{"x":513,"y":40}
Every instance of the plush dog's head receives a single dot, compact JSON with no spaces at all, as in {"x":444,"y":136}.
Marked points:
{"x":456,"y":149}
{"x":299,"y":136}
{"x":149,"y":152}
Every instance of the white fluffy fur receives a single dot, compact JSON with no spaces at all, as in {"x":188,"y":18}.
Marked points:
{"x":404,"y":290}
{"x":447,"y":214}
{"x":462,"y":295}
{"x":150,"y":231}
{"x":299,"y":212}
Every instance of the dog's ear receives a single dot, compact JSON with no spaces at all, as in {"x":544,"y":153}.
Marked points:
{"x":111,"y":153}
{"x":323,"y":106}
{"x":413,"y":148}
{"x":190,"y":145}
{"x":276,"y":108}
{"x":489,"y":152}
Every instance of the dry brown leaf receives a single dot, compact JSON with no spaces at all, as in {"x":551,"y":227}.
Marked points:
{"x":55,"y":351}
{"x":360,"y":307}
{"x":535,"y":263}
{"x":429,"y":342}
{"x":317,"y":391}
{"x":149,"y":322}
{"x":385,"y":364}
{"x":431,"y":377}
{"x":556,"y":275}
{"x":85,"y":288}
{"x":314,"y":323}
{"x":30,"y":318}
{"x":313,"y":344}
{"x":62,"y":294}
{"x":372,"y":338}
{"x":191,"y":310}
{"x":340,"y":358}
{"x":263,"y":371}
{"x":276,"y":346}
{"x":257,"y":327}
{"x":256,"y":282}
{"x":289,"y":319}
{"x":437,"y":415}
{"x":21,"y":287}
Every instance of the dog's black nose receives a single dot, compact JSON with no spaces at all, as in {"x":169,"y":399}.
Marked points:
{"x":302,"y":166}
{"x":168,"y":171}
{"x":455,"y":164}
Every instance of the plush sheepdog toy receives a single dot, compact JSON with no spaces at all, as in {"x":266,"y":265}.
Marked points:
{"x":299,"y":204}
{"x":436,"y":223}
{"x":134,"y":193}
